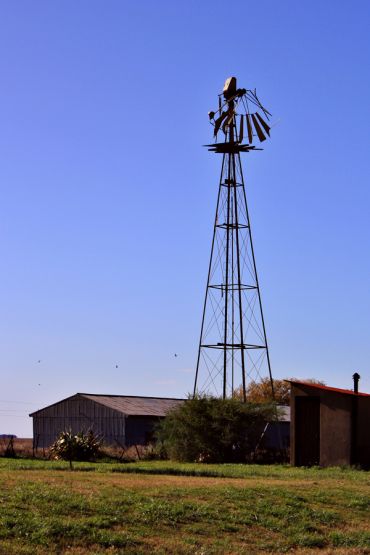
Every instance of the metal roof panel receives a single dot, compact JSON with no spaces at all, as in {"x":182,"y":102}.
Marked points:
{"x":135,"y":406}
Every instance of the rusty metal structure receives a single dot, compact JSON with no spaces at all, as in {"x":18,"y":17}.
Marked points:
{"x":233,"y":346}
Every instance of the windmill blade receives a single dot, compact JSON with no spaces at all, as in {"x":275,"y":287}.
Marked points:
{"x":266,"y":112}
{"x":219,"y":121}
{"x":241,"y":129}
{"x":219,"y":104}
{"x":249,"y":96}
{"x":258,"y":129}
{"x":249,"y":127}
{"x":264,"y":124}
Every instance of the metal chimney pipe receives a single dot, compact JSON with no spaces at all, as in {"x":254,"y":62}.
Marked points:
{"x":356,"y":378}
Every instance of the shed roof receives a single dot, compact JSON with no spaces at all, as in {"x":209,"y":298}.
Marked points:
{"x":128,"y":404}
{"x":327,"y":388}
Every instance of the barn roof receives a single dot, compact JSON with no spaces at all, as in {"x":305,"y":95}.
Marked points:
{"x":327,"y":388}
{"x":127,"y":404}
{"x":136,"y":406}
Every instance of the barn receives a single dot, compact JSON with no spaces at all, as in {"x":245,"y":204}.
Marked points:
{"x":122,"y":420}
{"x":329,"y":426}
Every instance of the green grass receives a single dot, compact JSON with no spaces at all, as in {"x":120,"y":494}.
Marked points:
{"x":164,"y":507}
{"x":281,"y":472}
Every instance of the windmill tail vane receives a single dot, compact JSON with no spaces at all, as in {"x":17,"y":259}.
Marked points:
{"x":233,"y":349}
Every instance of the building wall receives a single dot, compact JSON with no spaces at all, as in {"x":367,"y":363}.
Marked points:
{"x":78,"y":413}
{"x":363,"y":432}
{"x":335,"y":429}
{"x":335,"y":425}
{"x":295,"y":392}
{"x":344,"y":429}
{"x":140,"y":429}
{"x":277,"y":436}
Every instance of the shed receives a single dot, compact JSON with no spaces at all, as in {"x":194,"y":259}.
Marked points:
{"x":119,"y":419}
{"x":329,"y":426}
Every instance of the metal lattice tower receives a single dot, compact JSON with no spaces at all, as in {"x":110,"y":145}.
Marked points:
{"x":233,"y":347}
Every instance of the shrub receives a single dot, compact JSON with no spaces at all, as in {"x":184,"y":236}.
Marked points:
{"x":208,"y":429}
{"x":83,"y":446}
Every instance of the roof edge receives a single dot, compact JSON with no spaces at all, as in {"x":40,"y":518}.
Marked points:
{"x":328,"y":388}
{"x":133,"y":396}
{"x":104,"y":395}
{"x":53,"y":404}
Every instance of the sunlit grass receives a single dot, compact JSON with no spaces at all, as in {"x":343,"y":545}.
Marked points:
{"x":164,"y":507}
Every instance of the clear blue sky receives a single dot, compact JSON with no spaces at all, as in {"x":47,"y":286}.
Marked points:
{"x":107,"y":196}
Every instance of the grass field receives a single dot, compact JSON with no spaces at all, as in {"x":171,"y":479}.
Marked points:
{"x":163,"y":507}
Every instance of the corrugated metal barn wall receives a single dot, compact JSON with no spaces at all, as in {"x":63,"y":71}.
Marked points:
{"x":140,"y":429}
{"x":78,"y":413}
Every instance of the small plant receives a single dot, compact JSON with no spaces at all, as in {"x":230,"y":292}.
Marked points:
{"x":83,"y":446}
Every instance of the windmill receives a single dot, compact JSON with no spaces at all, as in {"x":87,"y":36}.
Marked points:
{"x":233,"y":347}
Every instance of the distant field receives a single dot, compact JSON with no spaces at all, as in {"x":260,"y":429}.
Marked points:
{"x":162,"y":507}
{"x":22,"y":446}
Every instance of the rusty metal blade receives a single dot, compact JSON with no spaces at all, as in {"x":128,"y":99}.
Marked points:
{"x":264,"y":124}
{"x":241,"y":129}
{"x":249,"y":127}
{"x":258,"y":129}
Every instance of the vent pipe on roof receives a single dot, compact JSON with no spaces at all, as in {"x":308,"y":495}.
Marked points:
{"x":356,"y":378}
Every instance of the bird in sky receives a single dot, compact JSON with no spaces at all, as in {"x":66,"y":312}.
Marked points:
{"x":176,"y":355}
{"x":39,"y":361}
{"x":116,"y":365}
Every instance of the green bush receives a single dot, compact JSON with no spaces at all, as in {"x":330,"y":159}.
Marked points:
{"x":207,"y":429}
{"x":83,"y":446}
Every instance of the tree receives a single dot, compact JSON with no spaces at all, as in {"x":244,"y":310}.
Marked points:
{"x":207,"y":429}
{"x":260,"y":392}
